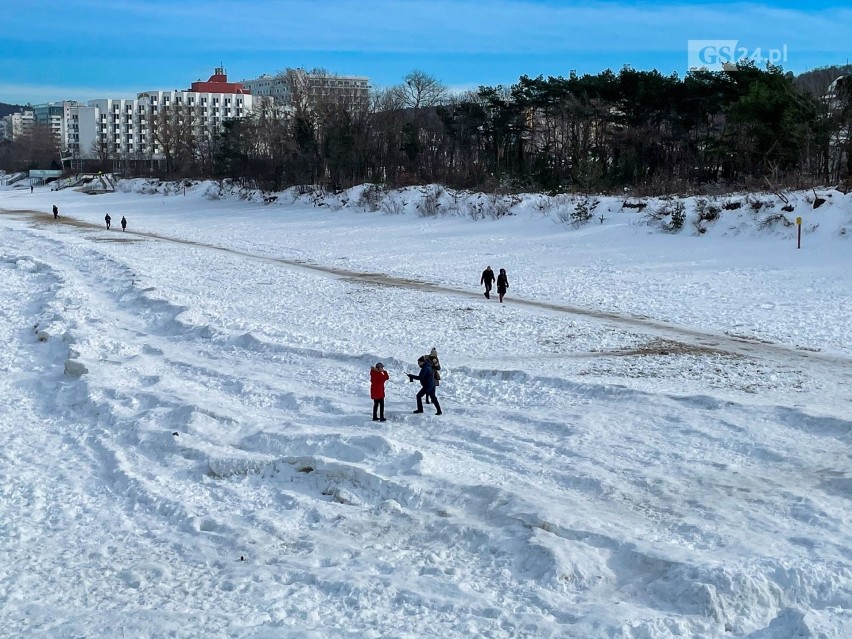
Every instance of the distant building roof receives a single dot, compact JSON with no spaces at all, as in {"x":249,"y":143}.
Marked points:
{"x":218,"y":83}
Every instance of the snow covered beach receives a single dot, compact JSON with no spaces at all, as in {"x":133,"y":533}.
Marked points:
{"x":672,"y":463}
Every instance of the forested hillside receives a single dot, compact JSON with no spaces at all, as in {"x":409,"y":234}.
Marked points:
{"x":6,"y":109}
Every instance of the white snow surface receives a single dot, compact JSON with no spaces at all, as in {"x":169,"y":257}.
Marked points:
{"x":650,"y":438}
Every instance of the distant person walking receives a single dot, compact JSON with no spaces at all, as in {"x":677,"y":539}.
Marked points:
{"x":427,"y":383}
{"x":55,"y":212}
{"x":487,"y":279}
{"x":378,"y":377}
{"x":107,"y":219}
{"x":123,"y":223}
{"x":502,"y":284}
{"x":31,"y":188}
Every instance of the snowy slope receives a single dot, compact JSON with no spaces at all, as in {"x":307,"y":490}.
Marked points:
{"x":649,"y":439}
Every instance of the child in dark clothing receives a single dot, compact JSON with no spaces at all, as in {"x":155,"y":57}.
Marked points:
{"x":427,"y":383}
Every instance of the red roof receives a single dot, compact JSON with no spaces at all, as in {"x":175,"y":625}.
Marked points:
{"x":218,"y":83}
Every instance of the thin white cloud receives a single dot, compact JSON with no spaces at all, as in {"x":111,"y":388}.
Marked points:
{"x":448,"y":26}
{"x":461,"y":89}
{"x":508,"y":26}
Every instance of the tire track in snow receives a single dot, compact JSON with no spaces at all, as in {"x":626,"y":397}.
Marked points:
{"x":693,"y":338}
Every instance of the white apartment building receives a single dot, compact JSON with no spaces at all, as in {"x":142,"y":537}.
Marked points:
{"x":269,"y":86}
{"x":343,"y":89}
{"x":102,"y":128}
{"x":16,"y":124}
{"x":55,"y":115}
{"x":134,"y":129}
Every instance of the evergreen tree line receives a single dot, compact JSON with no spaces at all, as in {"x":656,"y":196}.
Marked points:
{"x":744,"y":127}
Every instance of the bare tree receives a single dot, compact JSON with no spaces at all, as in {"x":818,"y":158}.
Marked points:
{"x":817,"y":81}
{"x":298,"y":89}
{"x":103,"y":148}
{"x":419,"y":90}
{"x":36,"y":149}
{"x":175,"y":131}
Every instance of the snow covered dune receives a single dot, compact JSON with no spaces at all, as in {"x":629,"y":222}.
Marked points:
{"x":187,"y":447}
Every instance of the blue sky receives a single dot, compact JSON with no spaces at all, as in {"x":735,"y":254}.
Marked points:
{"x":85,"y":49}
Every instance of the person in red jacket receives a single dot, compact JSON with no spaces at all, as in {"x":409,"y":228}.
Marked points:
{"x":378,"y":377}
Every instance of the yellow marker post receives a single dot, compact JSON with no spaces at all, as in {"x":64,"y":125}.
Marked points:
{"x":799,"y":232}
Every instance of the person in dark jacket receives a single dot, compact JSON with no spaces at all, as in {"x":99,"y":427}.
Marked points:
{"x":502,"y":283}
{"x":123,"y":223}
{"x":107,"y":219}
{"x":55,"y":212}
{"x":436,"y":369}
{"x":487,"y":279}
{"x":378,"y":377}
{"x":427,"y":383}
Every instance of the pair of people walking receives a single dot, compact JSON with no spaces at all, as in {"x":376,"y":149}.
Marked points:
{"x":488,"y":279}
{"x":108,"y":221}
